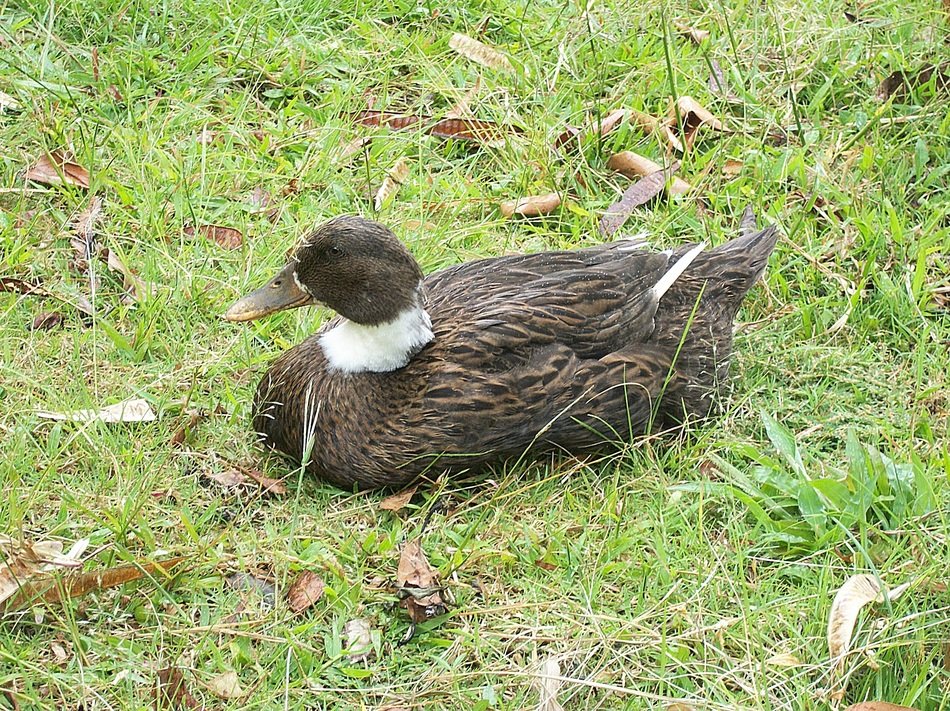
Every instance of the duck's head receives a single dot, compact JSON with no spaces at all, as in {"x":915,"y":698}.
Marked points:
{"x":352,"y":265}
{"x":359,"y":269}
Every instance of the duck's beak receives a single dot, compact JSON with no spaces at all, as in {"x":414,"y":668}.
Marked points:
{"x":279,"y":294}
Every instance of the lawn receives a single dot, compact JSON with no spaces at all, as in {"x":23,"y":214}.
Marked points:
{"x":693,"y":572}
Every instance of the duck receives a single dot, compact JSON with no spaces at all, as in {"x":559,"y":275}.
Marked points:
{"x":510,"y":356}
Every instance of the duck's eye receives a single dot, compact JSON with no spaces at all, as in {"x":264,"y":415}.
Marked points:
{"x":335,"y":251}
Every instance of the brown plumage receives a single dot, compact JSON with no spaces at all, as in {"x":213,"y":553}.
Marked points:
{"x":569,"y":350}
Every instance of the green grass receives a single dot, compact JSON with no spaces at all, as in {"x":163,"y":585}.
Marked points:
{"x":661,"y":587}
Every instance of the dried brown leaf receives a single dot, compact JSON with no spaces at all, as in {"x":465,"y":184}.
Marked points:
{"x":305,"y":591}
{"x":397,"y":502}
{"x":226,"y":686}
{"x":489,"y":133}
{"x":549,"y":683}
{"x":178,"y":439}
{"x":259,"y":199}
{"x":52,"y":587}
{"x":784,"y":660}
{"x":131,"y":410}
{"x":878,"y":706}
{"x":351,"y":148}
{"x":270,"y":486}
{"x":171,"y":692}
{"x":900,"y":84}
{"x":544,"y":565}
{"x":633,"y":165}
{"x":245,"y":581}
{"x":732,"y":167}
{"x":693,"y":115}
{"x":226,"y":237}
{"x":396,"y":122}
{"x":418,"y":584}
{"x":21,"y":561}
{"x":696,"y":35}
{"x":131,"y":282}
{"x":12,"y":285}
{"x":229,"y":478}
{"x":640,"y":193}
{"x":856,"y":592}
{"x":359,"y":640}
{"x":532,"y":205}
{"x":661,"y":127}
{"x":47,"y":321}
{"x":479,"y":52}
{"x":54,"y":168}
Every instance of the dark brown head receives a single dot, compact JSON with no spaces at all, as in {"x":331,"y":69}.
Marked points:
{"x":352,"y":265}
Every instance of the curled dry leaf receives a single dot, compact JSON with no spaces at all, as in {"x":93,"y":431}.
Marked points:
{"x":662,"y":128}
{"x":697,"y":36}
{"x":489,"y":133}
{"x":531,"y":206}
{"x":270,"y":486}
{"x":12,"y":285}
{"x":131,"y":410}
{"x":171,"y":692}
{"x":549,"y":683}
{"x":359,"y":640}
{"x":693,"y":115}
{"x":857,"y":591}
{"x":131,"y":282}
{"x":305,"y":591}
{"x":226,"y":686}
{"x":178,"y":439}
{"x":229,"y":479}
{"x":21,"y":561}
{"x":226,"y":237}
{"x":640,"y":193}
{"x":417,"y":584}
{"x":479,"y":52}
{"x":352,"y":148}
{"x":878,"y":706}
{"x":633,"y":165}
{"x":392,"y":182}
{"x":55,"y":168}
{"x":397,"y":502}
{"x":47,"y":321}
{"x":783,"y":660}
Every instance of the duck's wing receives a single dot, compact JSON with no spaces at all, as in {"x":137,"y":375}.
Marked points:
{"x":594,"y":301}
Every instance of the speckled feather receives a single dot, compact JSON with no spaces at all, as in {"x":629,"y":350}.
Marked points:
{"x":567,"y":350}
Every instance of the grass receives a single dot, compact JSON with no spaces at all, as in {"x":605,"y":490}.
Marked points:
{"x":657,"y":583}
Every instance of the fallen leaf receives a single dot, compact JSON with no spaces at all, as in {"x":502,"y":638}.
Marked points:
{"x":131,"y":410}
{"x":697,"y":36}
{"x":900,"y":84}
{"x":47,"y":321}
{"x":305,"y":591}
{"x":489,"y":133}
{"x":178,"y":439}
{"x":54,"y":168}
{"x":397,"y":502}
{"x":131,"y":282}
{"x":57,"y":587}
{"x":18,"y":286}
{"x":417,"y":584}
{"x":856,"y":592}
{"x":226,"y":237}
{"x":544,"y":565}
{"x":397,"y":122}
{"x":878,"y":706}
{"x":270,"y":486}
{"x":549,"y":683}
{"x":259,"y":199}
{"x":226,"y":686}
{"x":640,"y":193}
{"x":732,"y":167}
{"x":8,"y":103}
{"x":633,"y":165}
{"x":171,"y":692}
{"x":351,"y":148}
{"x":230,"y":478}
{"x":20,"y":561}
{"x":679,"y":706}
{"x":479,"y":52}
{"x":569,"y":138}
{"x":462,"y":107}
{"x":359,"y":640}
{"x":531,"y":206}
{"x":783,"y":660}
{"x":692,"y":115}
{"x":392,"y":182}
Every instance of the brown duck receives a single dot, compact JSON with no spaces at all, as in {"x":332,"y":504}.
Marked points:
{"x":494,"y":358}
